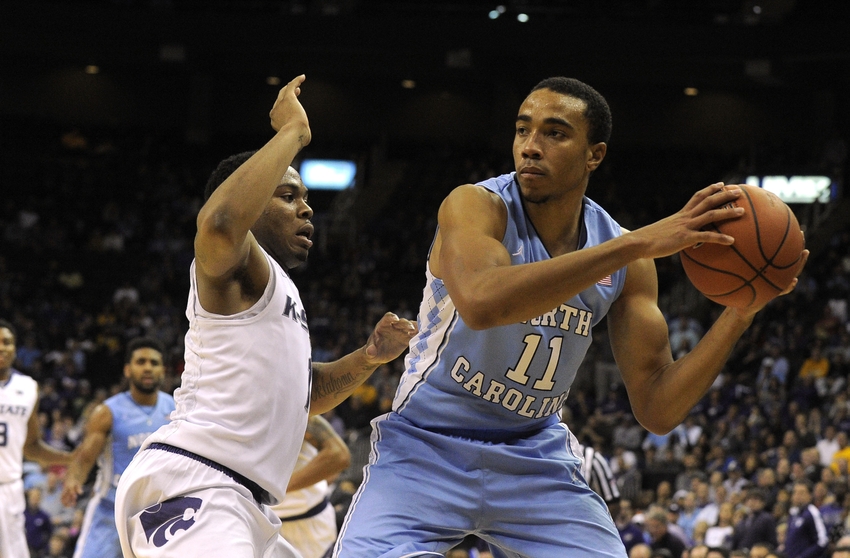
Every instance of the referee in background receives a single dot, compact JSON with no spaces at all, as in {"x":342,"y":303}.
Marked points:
{"x":600,"y":478}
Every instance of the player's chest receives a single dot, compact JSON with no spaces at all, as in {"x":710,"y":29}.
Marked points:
{"x":15,"y":403}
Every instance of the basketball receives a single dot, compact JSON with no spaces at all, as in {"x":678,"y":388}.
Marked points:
{"x":760,"y":264}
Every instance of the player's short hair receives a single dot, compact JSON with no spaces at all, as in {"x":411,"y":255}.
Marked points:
{"x":142,"y":343}
{"x":224,"y":169}
{"x":10,"y":327}
{"x":597,"y":111}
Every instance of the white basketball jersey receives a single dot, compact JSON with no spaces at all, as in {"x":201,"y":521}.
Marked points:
{"x":299,"y":501}
{"x":245,"y":392}
{"x":18,"y":398}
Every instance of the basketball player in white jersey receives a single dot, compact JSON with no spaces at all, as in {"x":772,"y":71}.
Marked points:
{"x":20,"y":438}
{"x":201,"y":486}
{"x":308,"y":520}
{"x":114,"y":433}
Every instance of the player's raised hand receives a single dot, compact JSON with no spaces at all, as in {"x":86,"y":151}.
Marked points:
{"x":287,"y":110}
{"x":688,"y":226}
{"x":389,"y":339}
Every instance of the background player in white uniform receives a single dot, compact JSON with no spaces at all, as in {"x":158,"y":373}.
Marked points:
{"x":113,"y":434}
{"x":522,"y":267}
{"x":20,"y":438}
{"x":202,"y":485}
{"x":308,"y":520}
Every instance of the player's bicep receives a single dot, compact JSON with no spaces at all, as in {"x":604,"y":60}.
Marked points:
{"x":638,"y":331}
{"x":472,"y":222}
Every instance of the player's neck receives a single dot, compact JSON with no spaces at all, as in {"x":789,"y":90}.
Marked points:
{"x":5,"y":375}
{"x":557,"y":225}
{"x":144,"y":399}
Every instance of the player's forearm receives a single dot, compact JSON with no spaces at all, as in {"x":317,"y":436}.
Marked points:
{"x":324,"y":466}
{"x":334,"y":381}
{"x":238,"y":202}
{"x":43,"y":453}
{"x":677,"y":387}
{"x":510,"y":294}
{"x":79,"y":468}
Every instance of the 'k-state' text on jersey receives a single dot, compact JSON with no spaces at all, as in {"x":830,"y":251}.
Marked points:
{"x":245,"y":392}
{"x":510,"y":378}
{"x":131,"y":425}
{"x":18,"y":398}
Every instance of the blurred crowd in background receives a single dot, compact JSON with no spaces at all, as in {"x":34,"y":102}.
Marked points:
{"x":97,"y":230}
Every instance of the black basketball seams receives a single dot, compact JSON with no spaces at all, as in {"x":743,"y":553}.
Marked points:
{"x":768,"y":261}
{"x":745,"y":282}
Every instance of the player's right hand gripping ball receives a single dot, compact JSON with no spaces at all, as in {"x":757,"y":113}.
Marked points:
{"x":760,"y":264}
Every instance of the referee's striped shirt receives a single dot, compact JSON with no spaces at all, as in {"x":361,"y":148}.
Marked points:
{"x":599,"y":476}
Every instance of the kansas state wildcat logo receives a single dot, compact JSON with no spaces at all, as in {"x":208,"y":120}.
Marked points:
{"x":162,"y":521}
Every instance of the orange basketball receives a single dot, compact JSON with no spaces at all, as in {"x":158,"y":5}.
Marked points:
{"x":760,"y":264}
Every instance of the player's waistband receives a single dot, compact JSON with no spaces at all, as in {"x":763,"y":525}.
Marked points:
{"x":481,"y":435}
{"x":256,"y":490}
{"x":315,"y":510}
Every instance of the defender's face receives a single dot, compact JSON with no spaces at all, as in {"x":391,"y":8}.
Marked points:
{"x":284,"y":230}
{"x":551,"y":151}
{"x":7,"y":349}
{"x":145,"y":370}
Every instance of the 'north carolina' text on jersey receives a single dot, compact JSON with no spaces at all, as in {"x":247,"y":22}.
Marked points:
{"x":243,"y":373}
{"x":513,"y":377}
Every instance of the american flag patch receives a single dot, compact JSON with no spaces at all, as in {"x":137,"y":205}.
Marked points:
{"x":605,"y":281}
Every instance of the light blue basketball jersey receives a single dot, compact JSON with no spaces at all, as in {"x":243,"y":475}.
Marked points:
{"x":512,"y":378}
{"x":131,"y":424}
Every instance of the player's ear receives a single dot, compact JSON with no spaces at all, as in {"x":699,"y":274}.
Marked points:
{"x":595,"y":154}
{"x":126,"y":370}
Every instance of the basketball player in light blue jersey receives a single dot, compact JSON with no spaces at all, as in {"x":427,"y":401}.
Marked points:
{"x":522,"y":267}
{"x":113,"y":434}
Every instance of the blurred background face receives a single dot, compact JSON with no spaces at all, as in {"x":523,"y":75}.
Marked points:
{"x":755,"y":504}
{"x":801,"y":495}
{"x":655,"y":528}
{"x":145,"y":370}
{"x":7,"y":348}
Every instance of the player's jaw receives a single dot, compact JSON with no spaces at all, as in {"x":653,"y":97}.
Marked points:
{"x":147,"y":383}
{"x":7,"y":357}
{"x":303,"y":236}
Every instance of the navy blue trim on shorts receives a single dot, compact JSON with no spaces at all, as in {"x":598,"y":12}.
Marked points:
{"x":314,"y":511}
{"x":256,"y":490}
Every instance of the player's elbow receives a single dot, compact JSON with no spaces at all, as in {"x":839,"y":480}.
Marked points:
{"x":478,"y":314}
{"x":656,"y":422}
{"x":477,"y":321}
